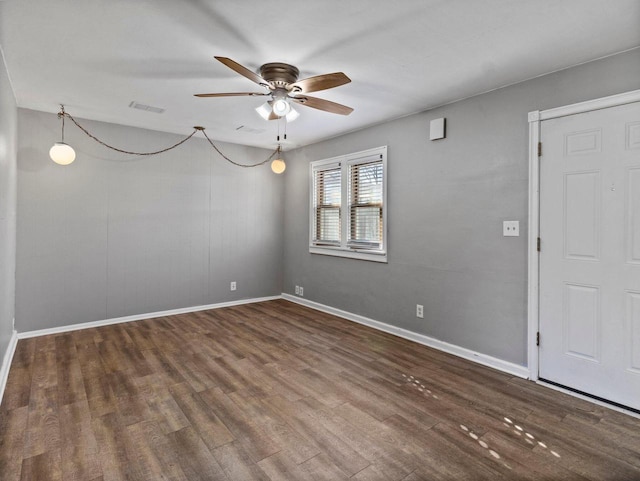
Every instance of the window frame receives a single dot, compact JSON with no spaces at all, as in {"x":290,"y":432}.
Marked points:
{"x":343,"y":249}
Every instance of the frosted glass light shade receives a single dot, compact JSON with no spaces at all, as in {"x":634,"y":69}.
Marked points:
{"x":62,"y":153}
{"x":264,"y":110}
{"x":294,"y":114}
{"x":278,"y":166}
{"x":281,"y":107}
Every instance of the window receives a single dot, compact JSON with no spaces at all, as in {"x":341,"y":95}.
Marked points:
{"x":348,"y":206}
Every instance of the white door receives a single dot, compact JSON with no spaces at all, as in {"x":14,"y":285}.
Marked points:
{"x":590,"y":253}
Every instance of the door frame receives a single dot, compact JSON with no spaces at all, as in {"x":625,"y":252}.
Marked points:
{"x":533,"y":263}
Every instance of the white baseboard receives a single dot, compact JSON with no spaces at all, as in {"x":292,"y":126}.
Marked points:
{"x":6,"y":362}
{"x":139,"y":317}
{"x":484,"y":359}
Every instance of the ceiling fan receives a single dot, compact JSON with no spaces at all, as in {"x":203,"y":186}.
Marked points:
{"x":283,"y":86}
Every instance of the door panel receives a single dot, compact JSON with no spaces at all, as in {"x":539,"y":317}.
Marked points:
{"x":590,"y":255}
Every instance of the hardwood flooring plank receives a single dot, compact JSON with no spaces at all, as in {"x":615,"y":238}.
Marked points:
{"x":17,"y":389}
{"x":341,"y":454}
{"x":43,"y":467}
{"x":237,"y":464}
{"x":282,"y":467}
{"x":391,"y":461}
{"x":193,"y":372}
{"x":196,"y":461}
{"x":322,"y":468}
{"x":256,"y":443}
{"x":24,"y":353}
{"x":210,"y":428}
{"x":43,"y":427}
{"x":69,"y":375}
{"x":298,"y":448}
{"x":115,"y":450}
{"x":98,"y":390}
{"x":165,"y":410}
{"x":160,"y":365}
{"x":371,"y":473}
{"x":78,"y":447}
{"x":45,"y":372}
{"x":275,"y":390}
{"x":156,"y":455}
{"x":12,"y":432}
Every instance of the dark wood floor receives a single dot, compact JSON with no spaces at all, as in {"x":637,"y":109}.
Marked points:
{"x":275,"y":391}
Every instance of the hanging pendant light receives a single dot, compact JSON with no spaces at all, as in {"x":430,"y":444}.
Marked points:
{"x":277,"y":165}
{"x":61,"y":153}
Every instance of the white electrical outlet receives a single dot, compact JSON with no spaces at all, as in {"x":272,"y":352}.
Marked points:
{"x":511,"y":228}
{"x":297,"y":290}
{"x":420,"y":311}
{"x":232,"y":286}
{"x":301,"y":291}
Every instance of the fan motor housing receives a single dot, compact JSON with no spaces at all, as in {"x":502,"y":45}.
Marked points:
{"x":280,"y":74}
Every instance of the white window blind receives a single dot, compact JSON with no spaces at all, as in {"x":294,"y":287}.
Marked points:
{"x":348,"y":211}
{"x":327,"y":203}
{"x":365,"y":205}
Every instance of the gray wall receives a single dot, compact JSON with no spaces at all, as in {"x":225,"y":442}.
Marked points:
{"x":113,"y":235}
{"x":446,"y":203}
{"x":8,"y":141}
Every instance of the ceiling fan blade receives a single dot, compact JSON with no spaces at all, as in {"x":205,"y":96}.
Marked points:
{"x":244,"y":71}
{"x":322,"y":104}
{"x":232,"y":94}
{"x":320,"y":82}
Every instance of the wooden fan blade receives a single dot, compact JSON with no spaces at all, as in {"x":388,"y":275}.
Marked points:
{"x":322,"y":104}
{"x":244,"y":71}
{"x":232,"y":94}
{"x":320,"y":82}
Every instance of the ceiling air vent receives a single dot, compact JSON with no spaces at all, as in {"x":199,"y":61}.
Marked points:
{"x":148,"y":108}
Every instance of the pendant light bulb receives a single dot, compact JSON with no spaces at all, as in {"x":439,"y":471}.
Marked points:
{"x":62,"y":154}
{"x":278,"y":165}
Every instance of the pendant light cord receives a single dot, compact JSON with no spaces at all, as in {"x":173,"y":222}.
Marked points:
{"x":62,"y":114}
{"x":273,"y":154}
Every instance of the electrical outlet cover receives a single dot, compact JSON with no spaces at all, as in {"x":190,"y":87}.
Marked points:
{"x":511,"y":228}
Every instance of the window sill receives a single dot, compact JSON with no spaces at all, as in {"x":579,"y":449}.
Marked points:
{"x":373,"y":256}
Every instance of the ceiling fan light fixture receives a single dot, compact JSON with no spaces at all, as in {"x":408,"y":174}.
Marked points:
{"x":281,"y":107}
{"x":264,"y":110}
{"x":292,"y":115}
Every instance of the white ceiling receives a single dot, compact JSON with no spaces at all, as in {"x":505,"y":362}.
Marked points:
{"x":403,"y":56}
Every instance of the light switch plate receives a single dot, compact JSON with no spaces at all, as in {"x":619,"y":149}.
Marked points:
{"x":511,"y":228}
